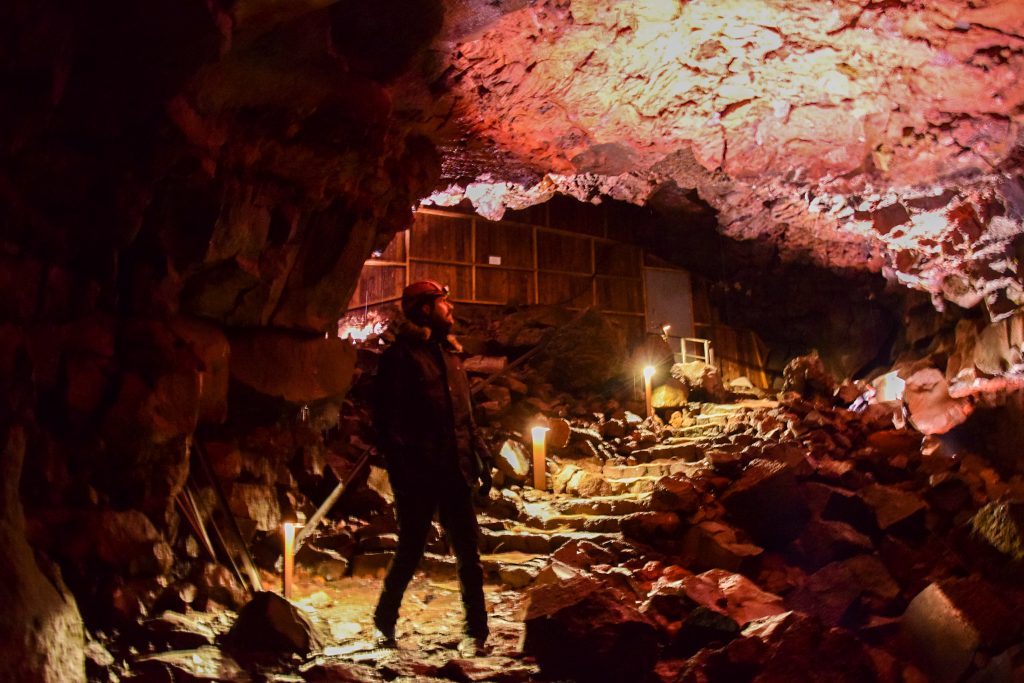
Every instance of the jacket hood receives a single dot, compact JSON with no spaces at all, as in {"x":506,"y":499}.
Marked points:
{"x":411,"y":330}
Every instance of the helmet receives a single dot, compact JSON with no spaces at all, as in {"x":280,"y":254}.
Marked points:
{"x":419,"y":292}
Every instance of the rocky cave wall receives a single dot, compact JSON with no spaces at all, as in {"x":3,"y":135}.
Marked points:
{"x":187,"y":194}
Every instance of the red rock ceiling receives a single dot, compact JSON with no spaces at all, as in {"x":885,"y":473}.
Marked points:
{"x":878,"y":135}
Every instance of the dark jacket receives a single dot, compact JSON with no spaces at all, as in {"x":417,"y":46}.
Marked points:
{"x":423,"y":414}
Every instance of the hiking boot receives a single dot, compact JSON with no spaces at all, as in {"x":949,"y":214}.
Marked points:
{"x":474,"y":646}
{"x":384,"y":641}
{"x":384,"y":636}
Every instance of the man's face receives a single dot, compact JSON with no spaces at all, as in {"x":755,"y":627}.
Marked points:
{"x":440,"y":314}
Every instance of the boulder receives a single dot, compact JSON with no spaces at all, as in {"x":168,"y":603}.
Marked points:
{"x":702,"y":627}
{"x":581,"y":630}
{"x":807,"y":376}
{"x":649,"y":526}
{"x":832,"y":591}
{"x":824,"y":541}
{"x":588,"y":484}
{"x":767,"y":504}
{"x":948,"y":622}
{"x":670,"y":395}
{"x":270,"y":624}
{"x":732,"y":595}
{"x":216,"y":583}
{"x":204,"y":664}
{"x":895,"y":510}
{"x":932,"y":410}
{"x":799,"y":646}
{"x":714,"y":545}
{"x":675,"y":494}
{"x":514,"y":461}
{"x":176,"y":631}
{"x":702,"y":382}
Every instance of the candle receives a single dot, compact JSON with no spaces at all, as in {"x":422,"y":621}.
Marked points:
{"x":539,"y":467}
{"x":648,"y":374}
{"x":289,"y":557}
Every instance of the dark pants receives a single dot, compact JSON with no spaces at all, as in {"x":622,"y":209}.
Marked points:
{"x":452,"y":498}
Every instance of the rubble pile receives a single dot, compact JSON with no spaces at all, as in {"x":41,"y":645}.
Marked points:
{"x":787,"y":536}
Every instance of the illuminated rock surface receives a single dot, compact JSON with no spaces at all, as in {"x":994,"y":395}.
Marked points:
{"x":852,"y":134}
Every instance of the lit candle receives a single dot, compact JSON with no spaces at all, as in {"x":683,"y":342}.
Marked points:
{"x":289,"y":557}
{"x":648,"y":374}
{"x":539,"y":466}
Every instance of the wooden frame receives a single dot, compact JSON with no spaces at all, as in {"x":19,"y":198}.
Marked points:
{"x":476,"y":268}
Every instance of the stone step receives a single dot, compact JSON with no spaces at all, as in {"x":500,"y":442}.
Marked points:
{"x":580,"y":522}
{"x":655,"y":469}
{"x":536,"y":541}
{"x":600,"y":505}
{"x":642,"y":484}
{"x":513,"y":569}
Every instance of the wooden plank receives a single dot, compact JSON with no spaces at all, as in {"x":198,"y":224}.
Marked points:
{"x":441,"y":238}
{"x":563,"y":252}
{"x":618,"y":294}
{"x":511,"y":245}
{"x":504,"y":286}
{"x":563,"y":290}
{"x":617,"y":259}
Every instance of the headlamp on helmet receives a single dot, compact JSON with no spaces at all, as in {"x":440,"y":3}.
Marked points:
{"x":421,"y":292}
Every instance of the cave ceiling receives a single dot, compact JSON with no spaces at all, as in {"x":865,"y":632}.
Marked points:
{"x":878,"y":136}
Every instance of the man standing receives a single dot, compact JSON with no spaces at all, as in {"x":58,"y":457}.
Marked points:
{"x":434,"y":456}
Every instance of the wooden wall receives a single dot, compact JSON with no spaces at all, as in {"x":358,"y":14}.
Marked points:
{"x":514,"y":262}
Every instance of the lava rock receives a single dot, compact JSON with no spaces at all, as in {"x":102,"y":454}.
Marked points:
{"x":949,"y":621}
{"x":271,"y":624}
{"x":766,"y":503}
{"x":675,"y":494}
{"x":203,"y":664}
{"x":513,"y":461}
{"x":932,"y":410}
{"x":703,"y":627}
{"x":649,"y":526}
{"x":583,"y":631}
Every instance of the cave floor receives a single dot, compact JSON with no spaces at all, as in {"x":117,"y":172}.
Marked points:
{"x":428,"y":631}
